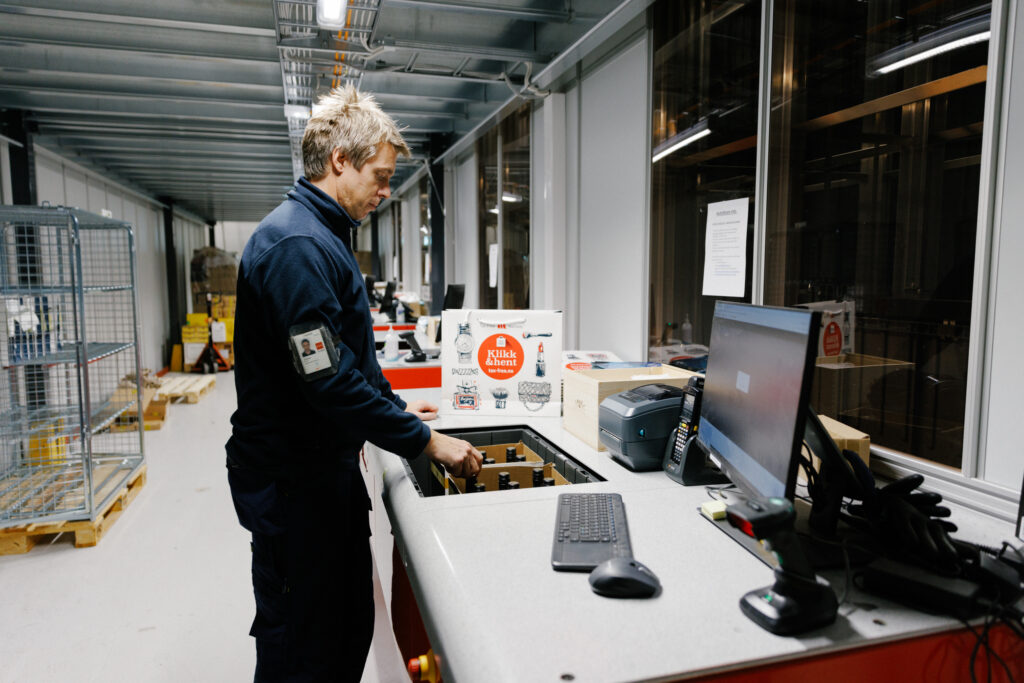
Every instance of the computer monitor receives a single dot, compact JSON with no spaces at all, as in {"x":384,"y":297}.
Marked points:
{"x":387,"y":303}
{"x":454,"y":296}
{"x":756,"y":392}
{"x":370,"y":291}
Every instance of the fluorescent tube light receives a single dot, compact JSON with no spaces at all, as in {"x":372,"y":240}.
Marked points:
{"x":928,"y":54}
{"x":330,"y":14}
{"x":961,"y":34}
{"x":677,"y":142}
{"x":511,"y":197}
{"x":494,"y":210}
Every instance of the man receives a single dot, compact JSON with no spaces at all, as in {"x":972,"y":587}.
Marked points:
{"x":306,"y":350}
{"x":293,"y":455}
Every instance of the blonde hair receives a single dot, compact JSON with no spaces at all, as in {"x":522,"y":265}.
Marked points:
{"x":351,"y":121}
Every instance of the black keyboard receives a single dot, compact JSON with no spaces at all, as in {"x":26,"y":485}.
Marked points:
{"x":590,"y":528}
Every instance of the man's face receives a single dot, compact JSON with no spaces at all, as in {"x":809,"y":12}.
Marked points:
{"x":305,"y":345}
{"x":360,"y":191}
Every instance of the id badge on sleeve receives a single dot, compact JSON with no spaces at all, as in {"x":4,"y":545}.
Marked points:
{"x":313,"y":352}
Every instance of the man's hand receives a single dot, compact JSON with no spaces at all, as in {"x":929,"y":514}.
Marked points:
{"x":424,"y":410}
{"x":455,"y":455}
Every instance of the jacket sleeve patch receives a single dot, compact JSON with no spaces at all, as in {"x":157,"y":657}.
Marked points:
{"x":313,"y":352}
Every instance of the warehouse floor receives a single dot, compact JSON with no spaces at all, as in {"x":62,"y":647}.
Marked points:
{"x":166,"y":595}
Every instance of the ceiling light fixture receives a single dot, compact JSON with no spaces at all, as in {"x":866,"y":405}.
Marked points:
{"x":296,"y":111}
{"x":330,"y":14}
{"x":680,"y":140}
{"x":511,"y":197}
{"x":951,"y":38}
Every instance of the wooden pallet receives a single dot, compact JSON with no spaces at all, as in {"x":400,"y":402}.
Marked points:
{"x":17,"y":540}
{"x":191,"y":388}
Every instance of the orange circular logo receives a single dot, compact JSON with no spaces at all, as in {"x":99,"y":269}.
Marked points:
{"x":832,"y":339}
{"x":500,"y":356}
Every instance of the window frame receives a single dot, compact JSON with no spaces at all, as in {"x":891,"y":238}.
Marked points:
{"x":965,"y":485}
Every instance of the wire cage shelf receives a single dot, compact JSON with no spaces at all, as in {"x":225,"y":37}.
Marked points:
{"x":70,"y":376}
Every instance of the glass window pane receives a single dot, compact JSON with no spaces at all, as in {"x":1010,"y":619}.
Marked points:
{"x":705,"y":77}
{"x":874,"y":156}
{"x":487,"y":159}
{"x":515,"y":207}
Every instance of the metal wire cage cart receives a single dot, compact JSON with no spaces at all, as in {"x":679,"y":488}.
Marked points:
{"x":70,"y":377}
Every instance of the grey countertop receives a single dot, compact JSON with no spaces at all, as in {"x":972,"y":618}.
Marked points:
{"x":496,"y":611}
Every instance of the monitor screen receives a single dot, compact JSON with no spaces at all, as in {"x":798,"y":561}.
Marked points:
{"x":454,"y":296}
{"x":387,"y":303}
{"x":370,"y":293}
{"x":756,"y":391}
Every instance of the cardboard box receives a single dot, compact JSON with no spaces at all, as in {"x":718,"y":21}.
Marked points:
{"x":585,"y":389}
{"x":849,"y":382}
{"x":224,"y":306}
{"x":365,"y":261}
{"x":194,"y":334}
{"x":848,"y":438}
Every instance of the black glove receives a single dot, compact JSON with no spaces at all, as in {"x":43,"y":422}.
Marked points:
{"x":907,"y":523}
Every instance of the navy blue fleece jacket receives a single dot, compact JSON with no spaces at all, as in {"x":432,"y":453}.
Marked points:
{"x":298,"y":268}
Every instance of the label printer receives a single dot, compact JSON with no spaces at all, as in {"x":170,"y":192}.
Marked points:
{"x":635,"y":424}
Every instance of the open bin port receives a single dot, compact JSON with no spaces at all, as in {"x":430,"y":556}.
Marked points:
{"x":429,"y":479}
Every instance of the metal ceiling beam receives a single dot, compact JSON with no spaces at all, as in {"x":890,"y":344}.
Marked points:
{"x":332,"y":45}
{"x":500,"y":11}
{"x":494,"y":53}
{"x":135,"y":20}
{"x":39,"y":30}
{"x":87,"y":118}
{"x":211,"y":156}
{"x":139,"y":87}
{"x":147,"y":133}
{"x":143,"y":122}
{"x":44,"y":100}
{"x":90,"y":60}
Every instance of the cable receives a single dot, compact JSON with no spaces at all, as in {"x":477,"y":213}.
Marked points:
{"x":716,"y":492}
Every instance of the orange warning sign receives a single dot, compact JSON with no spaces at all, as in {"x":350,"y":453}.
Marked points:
{"x":832,"y":339}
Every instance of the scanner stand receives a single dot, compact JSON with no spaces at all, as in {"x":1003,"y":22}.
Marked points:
{"x":416,"y":353}
{"x":696,"y":469}
{"x":793,"y":604}
{"x":799,"y":600}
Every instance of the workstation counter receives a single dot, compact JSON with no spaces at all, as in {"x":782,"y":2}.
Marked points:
{"x":494,"y":609}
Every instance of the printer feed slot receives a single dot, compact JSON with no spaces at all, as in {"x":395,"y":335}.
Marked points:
{"x":517,"y":452}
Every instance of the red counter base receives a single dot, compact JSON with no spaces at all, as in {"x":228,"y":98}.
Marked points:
{"x":413,"y":377}
{"x":939,"y":658}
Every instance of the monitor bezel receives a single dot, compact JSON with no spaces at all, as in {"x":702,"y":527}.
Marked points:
{"x":810,"y":357}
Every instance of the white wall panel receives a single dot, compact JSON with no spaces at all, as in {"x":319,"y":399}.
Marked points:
{"x":6,"y":192}
{"x":76,"y":193}
{"x":62,"y":182}
{"x":50,"y":182}
{"x":613,"y":197}
{"x":233,"y":235}
{"x":466,"y":230}
{"x":97,"y":194}
{"x":411,"y":275}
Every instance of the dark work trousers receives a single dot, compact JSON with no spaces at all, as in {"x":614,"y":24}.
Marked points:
{"x":311,"y":574}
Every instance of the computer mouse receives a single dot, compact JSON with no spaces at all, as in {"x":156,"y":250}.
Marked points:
{"x":623,"y":577}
